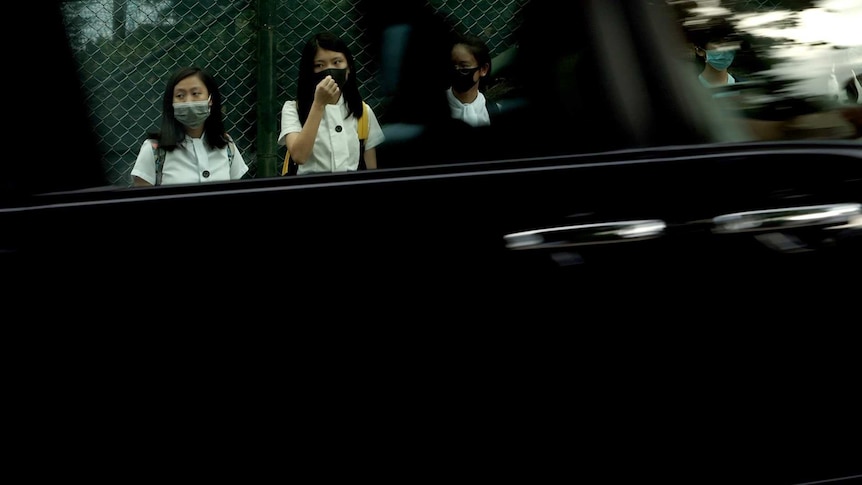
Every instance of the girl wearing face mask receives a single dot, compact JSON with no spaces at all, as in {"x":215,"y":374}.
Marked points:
{"x":715,"y":48}
{"x":320,"y":127}
{"x":716,"y":61}
{"x":192,"y":145}
{"x":471,"y":64}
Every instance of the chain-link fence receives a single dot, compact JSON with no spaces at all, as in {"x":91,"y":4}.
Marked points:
{"x":127,"y":49}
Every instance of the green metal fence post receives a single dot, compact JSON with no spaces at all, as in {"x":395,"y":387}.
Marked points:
{"x":266,"y":100}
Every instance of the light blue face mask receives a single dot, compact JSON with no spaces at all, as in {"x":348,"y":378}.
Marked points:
{"x":720,"y":60}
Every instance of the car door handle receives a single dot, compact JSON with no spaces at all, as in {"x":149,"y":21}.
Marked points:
{"x":832,"y":216}
{"x":586,"y":234}
{"x":848,"y":215}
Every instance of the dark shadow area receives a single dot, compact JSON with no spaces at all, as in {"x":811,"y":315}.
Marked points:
{"x":565,"y":93}
{"x":60,"y":156}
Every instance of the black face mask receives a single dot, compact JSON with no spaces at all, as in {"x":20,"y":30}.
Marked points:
{"x":338,"y":75}
{"x":462,"y":79}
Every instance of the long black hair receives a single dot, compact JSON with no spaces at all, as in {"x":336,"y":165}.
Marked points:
{"x":173,"y":132}
{"x":307,"y":81}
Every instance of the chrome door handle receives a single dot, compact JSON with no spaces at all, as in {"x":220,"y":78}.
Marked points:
{"x":847,"y":215}
{"x":586,"y":234}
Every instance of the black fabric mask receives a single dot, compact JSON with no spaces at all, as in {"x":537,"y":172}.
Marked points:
{"x":338,"y":75}
{"x":462,"y":79}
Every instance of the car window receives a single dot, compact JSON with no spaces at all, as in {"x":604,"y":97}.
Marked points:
{"x":577,"y":84}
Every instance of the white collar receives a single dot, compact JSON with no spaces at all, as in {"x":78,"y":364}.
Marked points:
{"x":474,"y":114}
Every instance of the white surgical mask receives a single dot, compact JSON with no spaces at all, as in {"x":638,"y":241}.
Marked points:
{"x":193,"y":113}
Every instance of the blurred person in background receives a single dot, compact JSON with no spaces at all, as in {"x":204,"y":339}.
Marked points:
{"x":192,"y":145}
{"x":716,"y":49}
{"x":320,"y":127}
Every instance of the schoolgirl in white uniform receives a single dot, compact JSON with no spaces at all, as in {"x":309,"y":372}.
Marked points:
{"x":320,"y":127}
{"x":192,"y":146}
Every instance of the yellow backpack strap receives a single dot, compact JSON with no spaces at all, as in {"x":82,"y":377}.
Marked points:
{"x":286,"y":164}
{"x":363,"y":123}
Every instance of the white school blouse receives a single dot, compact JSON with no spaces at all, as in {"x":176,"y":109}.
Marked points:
{"x":336,"y":148}
{"x":191,"y":162}
{"x":474,"y":114}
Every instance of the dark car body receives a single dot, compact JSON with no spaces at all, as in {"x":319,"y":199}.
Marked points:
{"x":637,"y":273}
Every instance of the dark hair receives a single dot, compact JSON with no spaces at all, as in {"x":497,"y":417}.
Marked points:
{"x":480,"y":51}
{"x":306,"y":83}
{"x":173,"y":132}
{"x":714,"y":30}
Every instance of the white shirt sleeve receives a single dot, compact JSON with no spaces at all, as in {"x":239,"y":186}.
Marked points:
{"x":289,"y":121}
{"x":145,"y":164}
{"x":375,"y":133}
{"x":238,"y":167}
